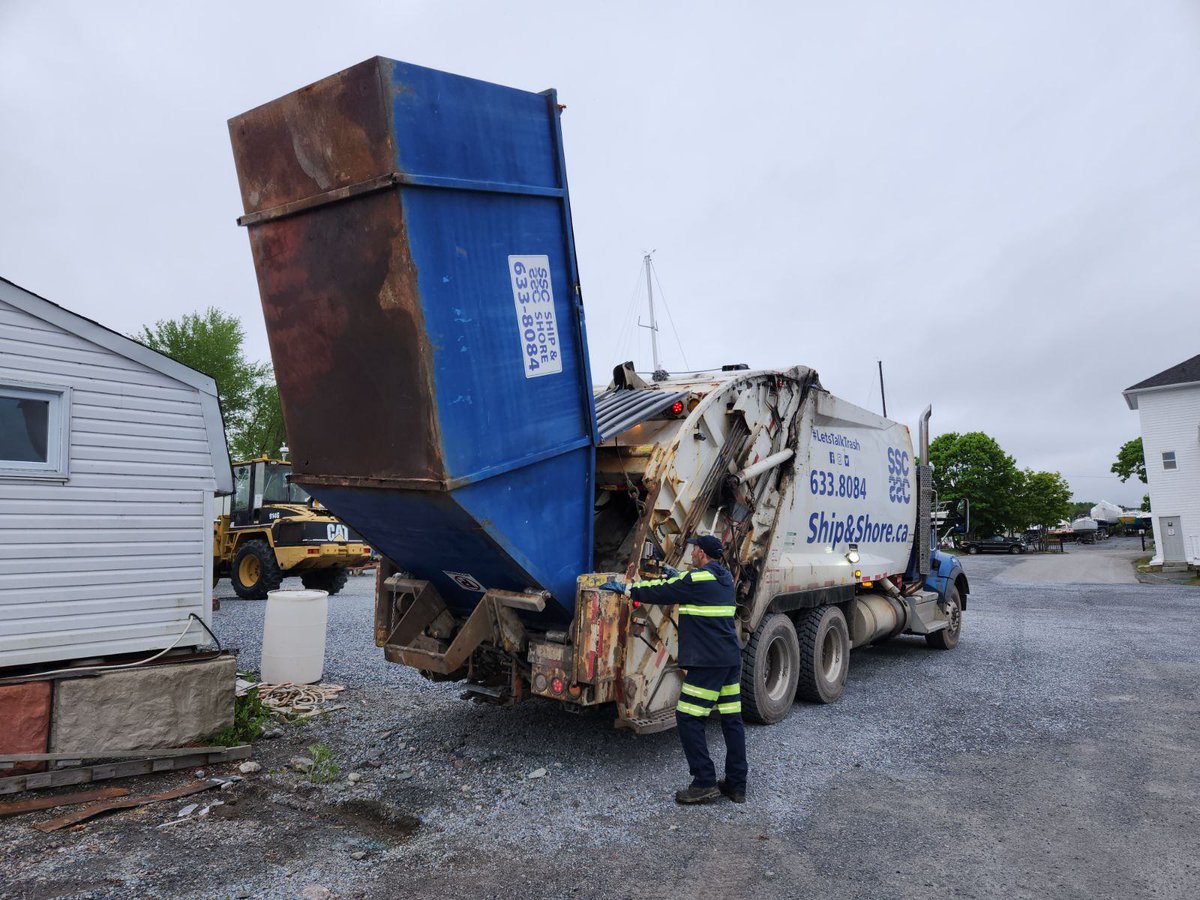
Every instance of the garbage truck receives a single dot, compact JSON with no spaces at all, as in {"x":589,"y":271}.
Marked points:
{"x":412,"y":237}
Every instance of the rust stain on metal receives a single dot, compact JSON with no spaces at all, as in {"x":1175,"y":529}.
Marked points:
{"x":338,"y":283}
{"x":330,"y":134}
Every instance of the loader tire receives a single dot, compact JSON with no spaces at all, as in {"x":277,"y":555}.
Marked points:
{"x":947,"y":638}
{"x":824,"y":654}
{"x":255,"y":571}
{"x":770,"y":666}
{"x":328,"y":580}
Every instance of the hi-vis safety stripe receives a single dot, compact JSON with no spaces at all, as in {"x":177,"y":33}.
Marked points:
{"x":734,"y":706}
{"x":694,"y":575}
{"x":655,"y":582}
{"x":703,"y":693}
{"x":731,"y":690}
{"x":692,"y":609}
{"x":692,"y":709}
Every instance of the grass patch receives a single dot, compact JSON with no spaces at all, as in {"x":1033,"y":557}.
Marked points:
{"x":250,"y":718}
{"x":324,"y":769}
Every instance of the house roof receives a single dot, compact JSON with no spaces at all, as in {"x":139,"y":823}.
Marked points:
{"x":1187,"y":372}
{"x":48,"y":311}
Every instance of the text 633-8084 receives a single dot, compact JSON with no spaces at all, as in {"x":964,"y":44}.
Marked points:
{"x":533,"y":299}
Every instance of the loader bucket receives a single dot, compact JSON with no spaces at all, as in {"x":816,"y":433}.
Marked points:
{"x":411,"y":233}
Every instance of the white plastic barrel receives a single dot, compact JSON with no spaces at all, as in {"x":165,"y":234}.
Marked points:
{"x":293,"y":647}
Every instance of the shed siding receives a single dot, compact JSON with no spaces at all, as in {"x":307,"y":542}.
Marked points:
{"x":1171,"y":422}
{"x":114,"y":559}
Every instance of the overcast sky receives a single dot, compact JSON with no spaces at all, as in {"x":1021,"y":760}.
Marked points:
{"x":1000,"y":201}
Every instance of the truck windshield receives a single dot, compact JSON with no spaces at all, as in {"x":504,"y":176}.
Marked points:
{"x":276,"y":488}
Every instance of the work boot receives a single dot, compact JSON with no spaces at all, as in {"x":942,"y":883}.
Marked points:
{"x":737,"y":795}
{"x":694,"y":794}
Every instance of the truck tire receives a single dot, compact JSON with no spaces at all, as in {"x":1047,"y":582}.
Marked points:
{"x":947,"y":638}
{"x":972,"y":550}
{"x":329,"y":580}
{"x":1014,"y":550}
{"x":255,"y":571}
{"x":770,"y":666}
{"x":824,"y":654}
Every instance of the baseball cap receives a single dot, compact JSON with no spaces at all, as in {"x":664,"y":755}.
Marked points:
{"x":712,"y":546}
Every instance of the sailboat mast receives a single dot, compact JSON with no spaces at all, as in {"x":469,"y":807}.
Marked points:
{"x":653,"y":323}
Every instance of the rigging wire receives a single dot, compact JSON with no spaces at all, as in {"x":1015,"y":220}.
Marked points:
{"x":670,"y":318}
{"x":625,"y":333}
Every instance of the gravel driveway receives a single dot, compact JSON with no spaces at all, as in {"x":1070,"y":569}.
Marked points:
{"x":1051,"y":754}
{"x":1108,"y":562}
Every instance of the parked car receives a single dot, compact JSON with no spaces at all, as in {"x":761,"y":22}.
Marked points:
{"x":995,"y":544}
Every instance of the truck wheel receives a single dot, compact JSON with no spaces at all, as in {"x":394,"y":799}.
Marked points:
{"x":824,"y":654}
{"x":972,"y":550}
{"x":1014,"y":550}
{"x":329,"y":580}
{"x":255,"y":571}
{"x":770,"y":666}
{"x":947,"y":638}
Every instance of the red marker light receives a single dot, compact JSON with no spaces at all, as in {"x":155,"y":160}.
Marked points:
{"x":677,"y":407}
{"x":637,"y":603}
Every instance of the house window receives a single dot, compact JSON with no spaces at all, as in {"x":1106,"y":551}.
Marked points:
{"x":33,"y":431}
{"x":1169,"y":459}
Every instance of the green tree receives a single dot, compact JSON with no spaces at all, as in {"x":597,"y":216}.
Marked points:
{"x":1145,"y":503}
{"x":1131,"y":460}
{"x":975,"y":467}
{"x":1080,"y":508}
{"x":212,"y":342}
{"x":1044,"y":498}
{"x":264,"y":432}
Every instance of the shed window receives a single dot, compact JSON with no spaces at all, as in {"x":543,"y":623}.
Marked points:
{"x":33,"y":431}
{"x":1169,"y":459}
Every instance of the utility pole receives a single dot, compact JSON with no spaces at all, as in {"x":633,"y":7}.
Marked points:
{"x":882,"y":396}
{"x":660,"y":374}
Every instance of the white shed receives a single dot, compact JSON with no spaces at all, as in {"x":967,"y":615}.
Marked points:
{"x":110,"y":457}
{"x":1168,"y":405}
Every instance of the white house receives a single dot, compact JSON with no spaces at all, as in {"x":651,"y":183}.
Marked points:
{"x":1169,"y":407}
{"x":110,"y":457}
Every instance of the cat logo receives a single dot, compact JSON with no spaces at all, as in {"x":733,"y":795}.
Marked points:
{"x":338,"y":532}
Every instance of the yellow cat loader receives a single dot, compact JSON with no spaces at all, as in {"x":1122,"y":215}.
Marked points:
{"x":273,"y":530}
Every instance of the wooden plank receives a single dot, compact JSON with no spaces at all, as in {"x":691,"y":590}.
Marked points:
{"x":127,"y":769}
{"x":19,"y":807}
{"x":81,"y":815}
{"x":6,"y":758}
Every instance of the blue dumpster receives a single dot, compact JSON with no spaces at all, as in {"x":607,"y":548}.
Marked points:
{"x":411,"y":233}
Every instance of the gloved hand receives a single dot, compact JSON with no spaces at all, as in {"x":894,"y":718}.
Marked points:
{"x":619,"y":587}
{"x":670,"y":572}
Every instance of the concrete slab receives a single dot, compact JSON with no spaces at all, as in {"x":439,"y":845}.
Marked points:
{"x":146,"y":708}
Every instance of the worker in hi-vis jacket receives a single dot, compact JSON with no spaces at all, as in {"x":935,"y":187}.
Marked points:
{"x":711,"y":655}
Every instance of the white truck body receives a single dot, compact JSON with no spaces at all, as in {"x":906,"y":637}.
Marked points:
{"x":818,"y":503}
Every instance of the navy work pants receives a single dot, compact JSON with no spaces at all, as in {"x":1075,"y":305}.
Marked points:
{"x":703,"y":689}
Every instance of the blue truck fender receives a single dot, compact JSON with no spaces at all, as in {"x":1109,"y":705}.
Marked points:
{"x":944,"y":570}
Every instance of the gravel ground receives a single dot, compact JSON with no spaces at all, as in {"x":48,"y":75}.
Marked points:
{"x":1050,"y":754}
{"x":1110,"y":562}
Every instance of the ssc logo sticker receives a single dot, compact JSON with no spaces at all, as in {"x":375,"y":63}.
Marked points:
{"x":465,"y":581}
